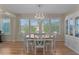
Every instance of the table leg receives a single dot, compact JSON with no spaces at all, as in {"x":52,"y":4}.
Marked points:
{"x":27,"y":46}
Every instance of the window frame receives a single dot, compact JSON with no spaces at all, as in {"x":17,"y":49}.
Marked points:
{"x":75,"y":25}
{"x":20,"y":25}
{"x":40,"y":26}
{"x":59,"y":30}
{"x":3,"y":18}
{"x":46,"y":19}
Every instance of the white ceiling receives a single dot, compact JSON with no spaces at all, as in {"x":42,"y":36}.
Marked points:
{"x":33,"y":8}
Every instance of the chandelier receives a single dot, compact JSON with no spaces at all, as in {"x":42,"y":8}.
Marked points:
{"x":39,"y":14}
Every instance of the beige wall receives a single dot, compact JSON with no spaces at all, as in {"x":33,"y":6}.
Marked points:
{"x":16,"y":33}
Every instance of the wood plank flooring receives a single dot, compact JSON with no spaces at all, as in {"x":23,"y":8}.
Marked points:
{"x":18,"y":48}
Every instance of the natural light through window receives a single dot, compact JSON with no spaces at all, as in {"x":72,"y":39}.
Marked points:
{"x":35,"y":27}
{"x":6,"y":25}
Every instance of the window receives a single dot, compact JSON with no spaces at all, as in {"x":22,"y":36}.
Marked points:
{"x":55,"y":25}
{"x":66,"y":26}
{"x":70,"y":23}
{"x":0,"y":25}
{"x":34,"y":26}
{"x":77,"y":27}
{"x":6,"y":25}
{"x":24,"y":23}
{"x":45,"y":26}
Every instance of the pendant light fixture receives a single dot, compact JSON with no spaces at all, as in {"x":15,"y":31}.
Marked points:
{"x":39,"y":14}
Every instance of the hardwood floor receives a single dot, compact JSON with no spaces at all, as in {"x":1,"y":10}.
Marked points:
{"x":18,"y":48}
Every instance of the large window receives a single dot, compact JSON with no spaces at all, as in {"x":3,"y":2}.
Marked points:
{"x":70,"y":24}
{"x":55,"y":25}
{"x":45,"y":26}
{"x":0,"y":25}
{"x":37,"y":26}
{"x":5,"y":25}
{"x":77,"y":27}
{"x":66,"y":26}
{"x":34,"y":26}
{"x":24,"y":23}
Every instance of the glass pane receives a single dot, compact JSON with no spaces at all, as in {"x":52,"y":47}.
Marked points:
{"x":77,"y":27}
{"x":66,"y":26}
{"x":45,"y":26}
{"x":34,"y":26}
{"x":6,"y":25}
{"x":55,"y":25}
{"x":24,"y":25}
{"x":71,"y":26}
{"x":0,"y":25}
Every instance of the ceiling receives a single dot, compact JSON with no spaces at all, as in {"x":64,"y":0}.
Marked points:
{"x":33,"y":8}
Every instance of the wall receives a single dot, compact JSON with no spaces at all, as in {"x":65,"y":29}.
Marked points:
{"x":72,"y":42}
{"x":18,"y":36}
{"x":15,"y":28}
